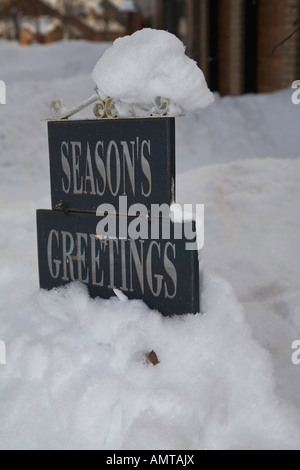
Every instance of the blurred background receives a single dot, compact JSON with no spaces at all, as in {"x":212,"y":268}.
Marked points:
{"x":233,"y":41}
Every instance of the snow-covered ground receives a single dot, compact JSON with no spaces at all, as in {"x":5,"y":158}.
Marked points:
{"x":76,"y":376}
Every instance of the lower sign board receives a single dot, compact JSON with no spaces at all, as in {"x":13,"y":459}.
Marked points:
{"x":160,"y":272}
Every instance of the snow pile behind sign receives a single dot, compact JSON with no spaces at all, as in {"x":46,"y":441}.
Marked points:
{"x":151,"y":64}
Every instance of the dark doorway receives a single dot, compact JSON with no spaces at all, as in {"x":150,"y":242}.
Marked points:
{"x":173,"y":11}
{"x":174,"y":18}
{"x":213,"y":45}
{"x":250,"y":52}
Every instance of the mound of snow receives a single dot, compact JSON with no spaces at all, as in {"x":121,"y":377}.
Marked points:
{"x":76,"y":375}
{"x":148,"y":64}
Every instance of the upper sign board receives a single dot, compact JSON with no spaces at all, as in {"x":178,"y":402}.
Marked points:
{"x":96,"y":162}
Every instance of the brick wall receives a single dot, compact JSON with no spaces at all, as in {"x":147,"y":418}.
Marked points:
{"x":204,"y":37}
{"x":231,"y":37}
{"x":276,"y":20}
{"x":158,"y":19}
{"x":191,"y":39}
{"x":237,"y":40}
{"x":271,"y":31}
{"x":197,"y":30}
{"x":291,"y":47}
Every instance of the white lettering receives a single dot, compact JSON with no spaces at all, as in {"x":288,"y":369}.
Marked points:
{"x":78,"y":184}
{"x":65,"y":167}
{"x":52,"y":261}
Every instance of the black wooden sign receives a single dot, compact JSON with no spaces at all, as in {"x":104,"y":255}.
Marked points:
{"x":97,"y":161}
{"x":161,"y":272}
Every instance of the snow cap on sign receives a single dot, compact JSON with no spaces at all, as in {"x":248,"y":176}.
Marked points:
{"x":149,"y":64}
